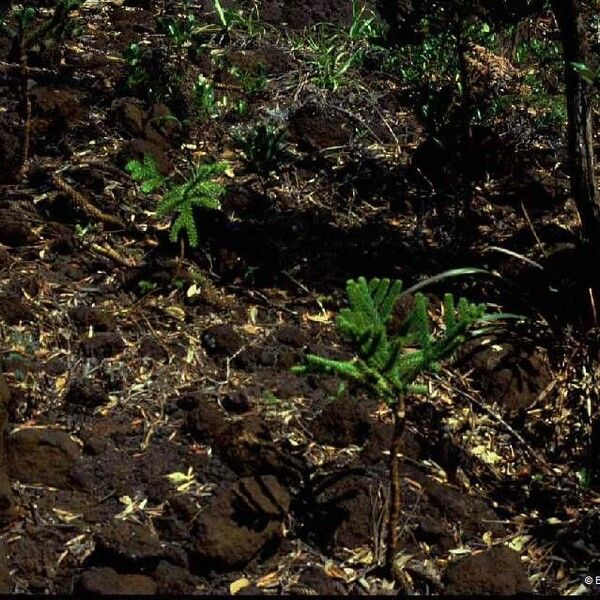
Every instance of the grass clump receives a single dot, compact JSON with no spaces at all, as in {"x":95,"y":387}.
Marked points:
{"x":264,"y":147}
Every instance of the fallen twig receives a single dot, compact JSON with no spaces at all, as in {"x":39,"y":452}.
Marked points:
{"x":499,"y":419}
{"x":113,"y":255}
{"x":6,"y":66}
{"x":85,"y":204}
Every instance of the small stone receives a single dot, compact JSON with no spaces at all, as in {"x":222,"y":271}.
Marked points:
{"x":497,"y":572}
{"x":42,"y":455}
{"x":236,"y":402}
{"x":243,"y":519}
{"x":98,"y":580}
{"x":128,"y":546}
{"x":221,"y":340}
{"x":13,"y":310}
{"x":102,"y":345}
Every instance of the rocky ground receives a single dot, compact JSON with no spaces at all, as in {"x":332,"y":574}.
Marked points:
{"x":156,"y":441}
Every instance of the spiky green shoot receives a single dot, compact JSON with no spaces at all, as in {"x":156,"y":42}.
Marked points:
{"x":179,"y":200}
{"x":264,"y":147}
{"x":390,"y":365}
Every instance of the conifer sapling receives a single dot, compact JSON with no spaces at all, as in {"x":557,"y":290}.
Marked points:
{"x":390,"y":365}
{"x":179,"y":200}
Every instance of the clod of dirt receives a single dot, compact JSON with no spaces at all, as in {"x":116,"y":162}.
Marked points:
{"x":42,"y":455}
{"x":99,"y":435}
{"x":299,"y":14}
{"x":53,"y":110}
{"x":282,"y":357}
{"x":314,"y":580}
{"x":247,"y":447}
{"x":102,"y":345}
{"x":6,"y":495}
{"x":237,"y":402}
{"x":90,"y":316}
{"x":63,"y":245}
{"x":290,"y":335}
{"x":206,"y":422}
{"x":127,"y":546}
{"x":510,"y":375}
{"x":106,"y":581}
{"x":131,"y":585}
{"x":379,"y":440}
{"x":342,"y":423}
{"x":156,"y":125}
{"x":244,"y":520}
{"x":150,"y":348}
{"x":315,"y":128}
{"x":498,"y":571}
{"x":342,"y":515}
{"x":473,"y":514}
{"x":102,"y":580}
{"x":5,"y":258}
{"x":13,"y":310}
{"x":7,"y":501}
{"x":56,"y":103}
{"x":137,"y":148}
{"x":271,"y":58}
{"x":14,"y":230}
{"x":173,"y":580}
{"x":221,"y":341}
{"x":5,"y":397}
{"x":56,"y":366}
{"x":241,"y":200}
{"x":129,"y":114}
{"x":9,"y":157}
{"x":6,"y":585}
{"x":88,"y":393}
{"x":434,"y":531}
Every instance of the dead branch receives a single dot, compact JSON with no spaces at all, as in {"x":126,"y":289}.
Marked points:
{"x":85,"y":204}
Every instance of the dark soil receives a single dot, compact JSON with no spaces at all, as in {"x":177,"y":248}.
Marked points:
{"x":155,"y":441}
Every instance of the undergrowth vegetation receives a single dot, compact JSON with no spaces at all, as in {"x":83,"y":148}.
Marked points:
{"x":199,"y":190}
{"x":192,"y":404}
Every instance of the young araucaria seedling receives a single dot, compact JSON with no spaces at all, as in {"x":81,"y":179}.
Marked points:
{"x":390,"y":365}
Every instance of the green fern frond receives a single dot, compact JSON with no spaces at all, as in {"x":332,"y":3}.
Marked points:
{"x":371,"y":306}
{"x":449,"y":312}
{"x":390,"y":365}
{"x":199,"y":191}
{"x":146,"y":174}
{"x":178,"y":201}
{"x":185,"y":222}
{"x":344,"y":368}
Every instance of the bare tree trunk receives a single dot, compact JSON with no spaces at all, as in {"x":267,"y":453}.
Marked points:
{"x":579,"y":109}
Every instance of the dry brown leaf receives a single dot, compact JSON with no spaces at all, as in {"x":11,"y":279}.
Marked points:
{"x":268,"y":580}
{"x":325,"y":317}
{"x":175,"y":312}
{"x":238,"y":584}
{"x":333,"y":571}
{"x":251,"y":329}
